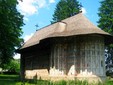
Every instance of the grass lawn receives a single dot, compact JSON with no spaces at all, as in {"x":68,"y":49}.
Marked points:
{"x":15,"y":80}
{"x":9,"y":79}
{"x":4,"y":76}
{"x":9,"y":82}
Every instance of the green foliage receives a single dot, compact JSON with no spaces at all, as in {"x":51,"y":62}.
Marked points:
{"x":11,"y":22}
{"x":106,"y":23}
{"x":65,"y":9}
{"x":13,"y":66}
{"x":106,"y":16}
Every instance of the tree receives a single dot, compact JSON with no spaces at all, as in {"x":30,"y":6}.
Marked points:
{"x":11,"y":22}
{"x":13,"y":66}
{"x":106,"y":23}
{"x":65,"y":9}
{"x":106,"y":16}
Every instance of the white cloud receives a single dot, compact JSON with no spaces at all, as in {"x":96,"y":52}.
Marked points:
{"x":27,"y":7}
{"x":27,"y":37}
{"x":51,"y":1}
{"x":41,"y":3}
{"x":83,"y":10}
{"x":30,"y":7}
{"x":17,"y":56}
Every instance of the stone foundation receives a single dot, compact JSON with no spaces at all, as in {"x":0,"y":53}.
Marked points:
{"x":44,"y":75}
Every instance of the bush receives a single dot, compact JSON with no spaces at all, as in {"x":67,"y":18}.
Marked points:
{"x":12,"y":68}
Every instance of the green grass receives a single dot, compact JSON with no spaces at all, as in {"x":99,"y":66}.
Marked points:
{"x":15,"y":80}
{"x":13,"y":77}
{"x":9,"y":79}
{"x":9,"y":82}
{"x":109,"y":82}
{"x":70,"y":82}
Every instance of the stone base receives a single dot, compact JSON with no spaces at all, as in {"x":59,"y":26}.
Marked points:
{"x":44,"y":75}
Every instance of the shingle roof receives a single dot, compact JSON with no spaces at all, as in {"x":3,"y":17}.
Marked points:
{"x":72,"y":26}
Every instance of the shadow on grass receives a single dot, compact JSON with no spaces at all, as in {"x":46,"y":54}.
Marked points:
{"x":10,"y":82}
{"x":8,"y":77}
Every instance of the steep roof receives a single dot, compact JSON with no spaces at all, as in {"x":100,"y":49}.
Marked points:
{"x":75,"y":25}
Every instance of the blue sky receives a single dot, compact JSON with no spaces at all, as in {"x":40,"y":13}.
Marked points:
{"x":40,"y":12}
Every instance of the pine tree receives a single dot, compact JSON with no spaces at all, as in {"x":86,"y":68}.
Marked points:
{"x":65,"y":9}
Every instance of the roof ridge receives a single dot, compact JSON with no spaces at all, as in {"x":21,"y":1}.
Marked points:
{"x":75,"y":25}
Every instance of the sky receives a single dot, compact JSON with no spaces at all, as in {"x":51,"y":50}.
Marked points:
{"x":39,"y":12}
